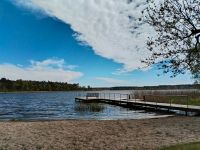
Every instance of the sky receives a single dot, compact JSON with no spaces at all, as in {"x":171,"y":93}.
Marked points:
{"x":91,"y":42}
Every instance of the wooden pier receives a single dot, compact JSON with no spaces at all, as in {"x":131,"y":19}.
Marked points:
{"x":125,"y":100}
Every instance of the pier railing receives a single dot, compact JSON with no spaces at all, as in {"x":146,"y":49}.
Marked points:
{"x":167,"y":99}
{"x":114,"y":96}
{"x":169,"y":102}
{"x":105,"y":95}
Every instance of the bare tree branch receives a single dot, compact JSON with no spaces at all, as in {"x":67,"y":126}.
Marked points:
{"x":176,"y":47}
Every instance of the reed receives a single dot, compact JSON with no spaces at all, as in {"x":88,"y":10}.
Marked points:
{"x":88,"y":107}
{"x":191,"y":97}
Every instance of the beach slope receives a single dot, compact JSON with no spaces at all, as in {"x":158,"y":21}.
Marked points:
{"x":84,"y":135}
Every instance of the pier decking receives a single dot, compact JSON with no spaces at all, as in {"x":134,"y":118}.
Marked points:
{"x":126,"y":101}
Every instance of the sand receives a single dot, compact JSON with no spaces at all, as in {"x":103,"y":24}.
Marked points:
{"x":108,"y":135}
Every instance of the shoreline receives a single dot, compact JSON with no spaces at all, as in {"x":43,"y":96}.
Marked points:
{"x":55,"y":120}
{"x":104,"y":134}
{"x":21,"y":92}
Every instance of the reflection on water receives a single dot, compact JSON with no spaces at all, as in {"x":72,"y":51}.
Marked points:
{"x":58,"y":106}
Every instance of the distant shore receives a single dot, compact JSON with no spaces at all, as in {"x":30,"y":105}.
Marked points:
{"x":36,"y":91}
{"x":84,"y":135}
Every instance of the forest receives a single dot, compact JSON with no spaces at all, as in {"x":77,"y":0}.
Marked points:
{"x":7,"y":85}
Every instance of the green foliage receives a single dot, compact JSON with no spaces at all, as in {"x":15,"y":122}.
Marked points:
{"x":22,"y":85}
{"x":190,"y":146}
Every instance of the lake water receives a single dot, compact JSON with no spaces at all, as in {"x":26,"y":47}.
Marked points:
{"x":60,"y":106}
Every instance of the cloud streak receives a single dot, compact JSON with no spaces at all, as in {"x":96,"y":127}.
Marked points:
{"x":110,"y":27}
{"x":46,"y":70}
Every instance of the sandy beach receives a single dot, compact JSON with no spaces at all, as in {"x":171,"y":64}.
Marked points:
{"x":84,"y":135}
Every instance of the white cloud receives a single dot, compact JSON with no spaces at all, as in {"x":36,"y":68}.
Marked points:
{"x":110,"y":27}
{"x":71,"y":67}
{"x":112,"y":81}
{"x":47,"y":70}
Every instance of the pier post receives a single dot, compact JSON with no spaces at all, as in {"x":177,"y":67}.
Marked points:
{"x":170,"y":105}
{"x":120,"y":98}
{"x":145,"y":103}
{"x":186,"y":112}
{"x":144,"y":98}
{"x":157,"y":103}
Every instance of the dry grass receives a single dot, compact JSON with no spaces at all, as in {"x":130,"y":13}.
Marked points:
{"x":167,"y":96}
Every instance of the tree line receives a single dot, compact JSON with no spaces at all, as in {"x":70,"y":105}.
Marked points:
{"x":7,"y":85}
{"x":159,"y":87}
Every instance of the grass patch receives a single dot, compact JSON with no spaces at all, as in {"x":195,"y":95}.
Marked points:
{"x":188,"y":146}
{"x":194,"y":101}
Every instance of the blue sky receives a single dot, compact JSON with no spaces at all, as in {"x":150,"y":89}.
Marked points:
{"x":39,"y":44}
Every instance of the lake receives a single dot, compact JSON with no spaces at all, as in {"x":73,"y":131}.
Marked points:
{"x":61,"y":106}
